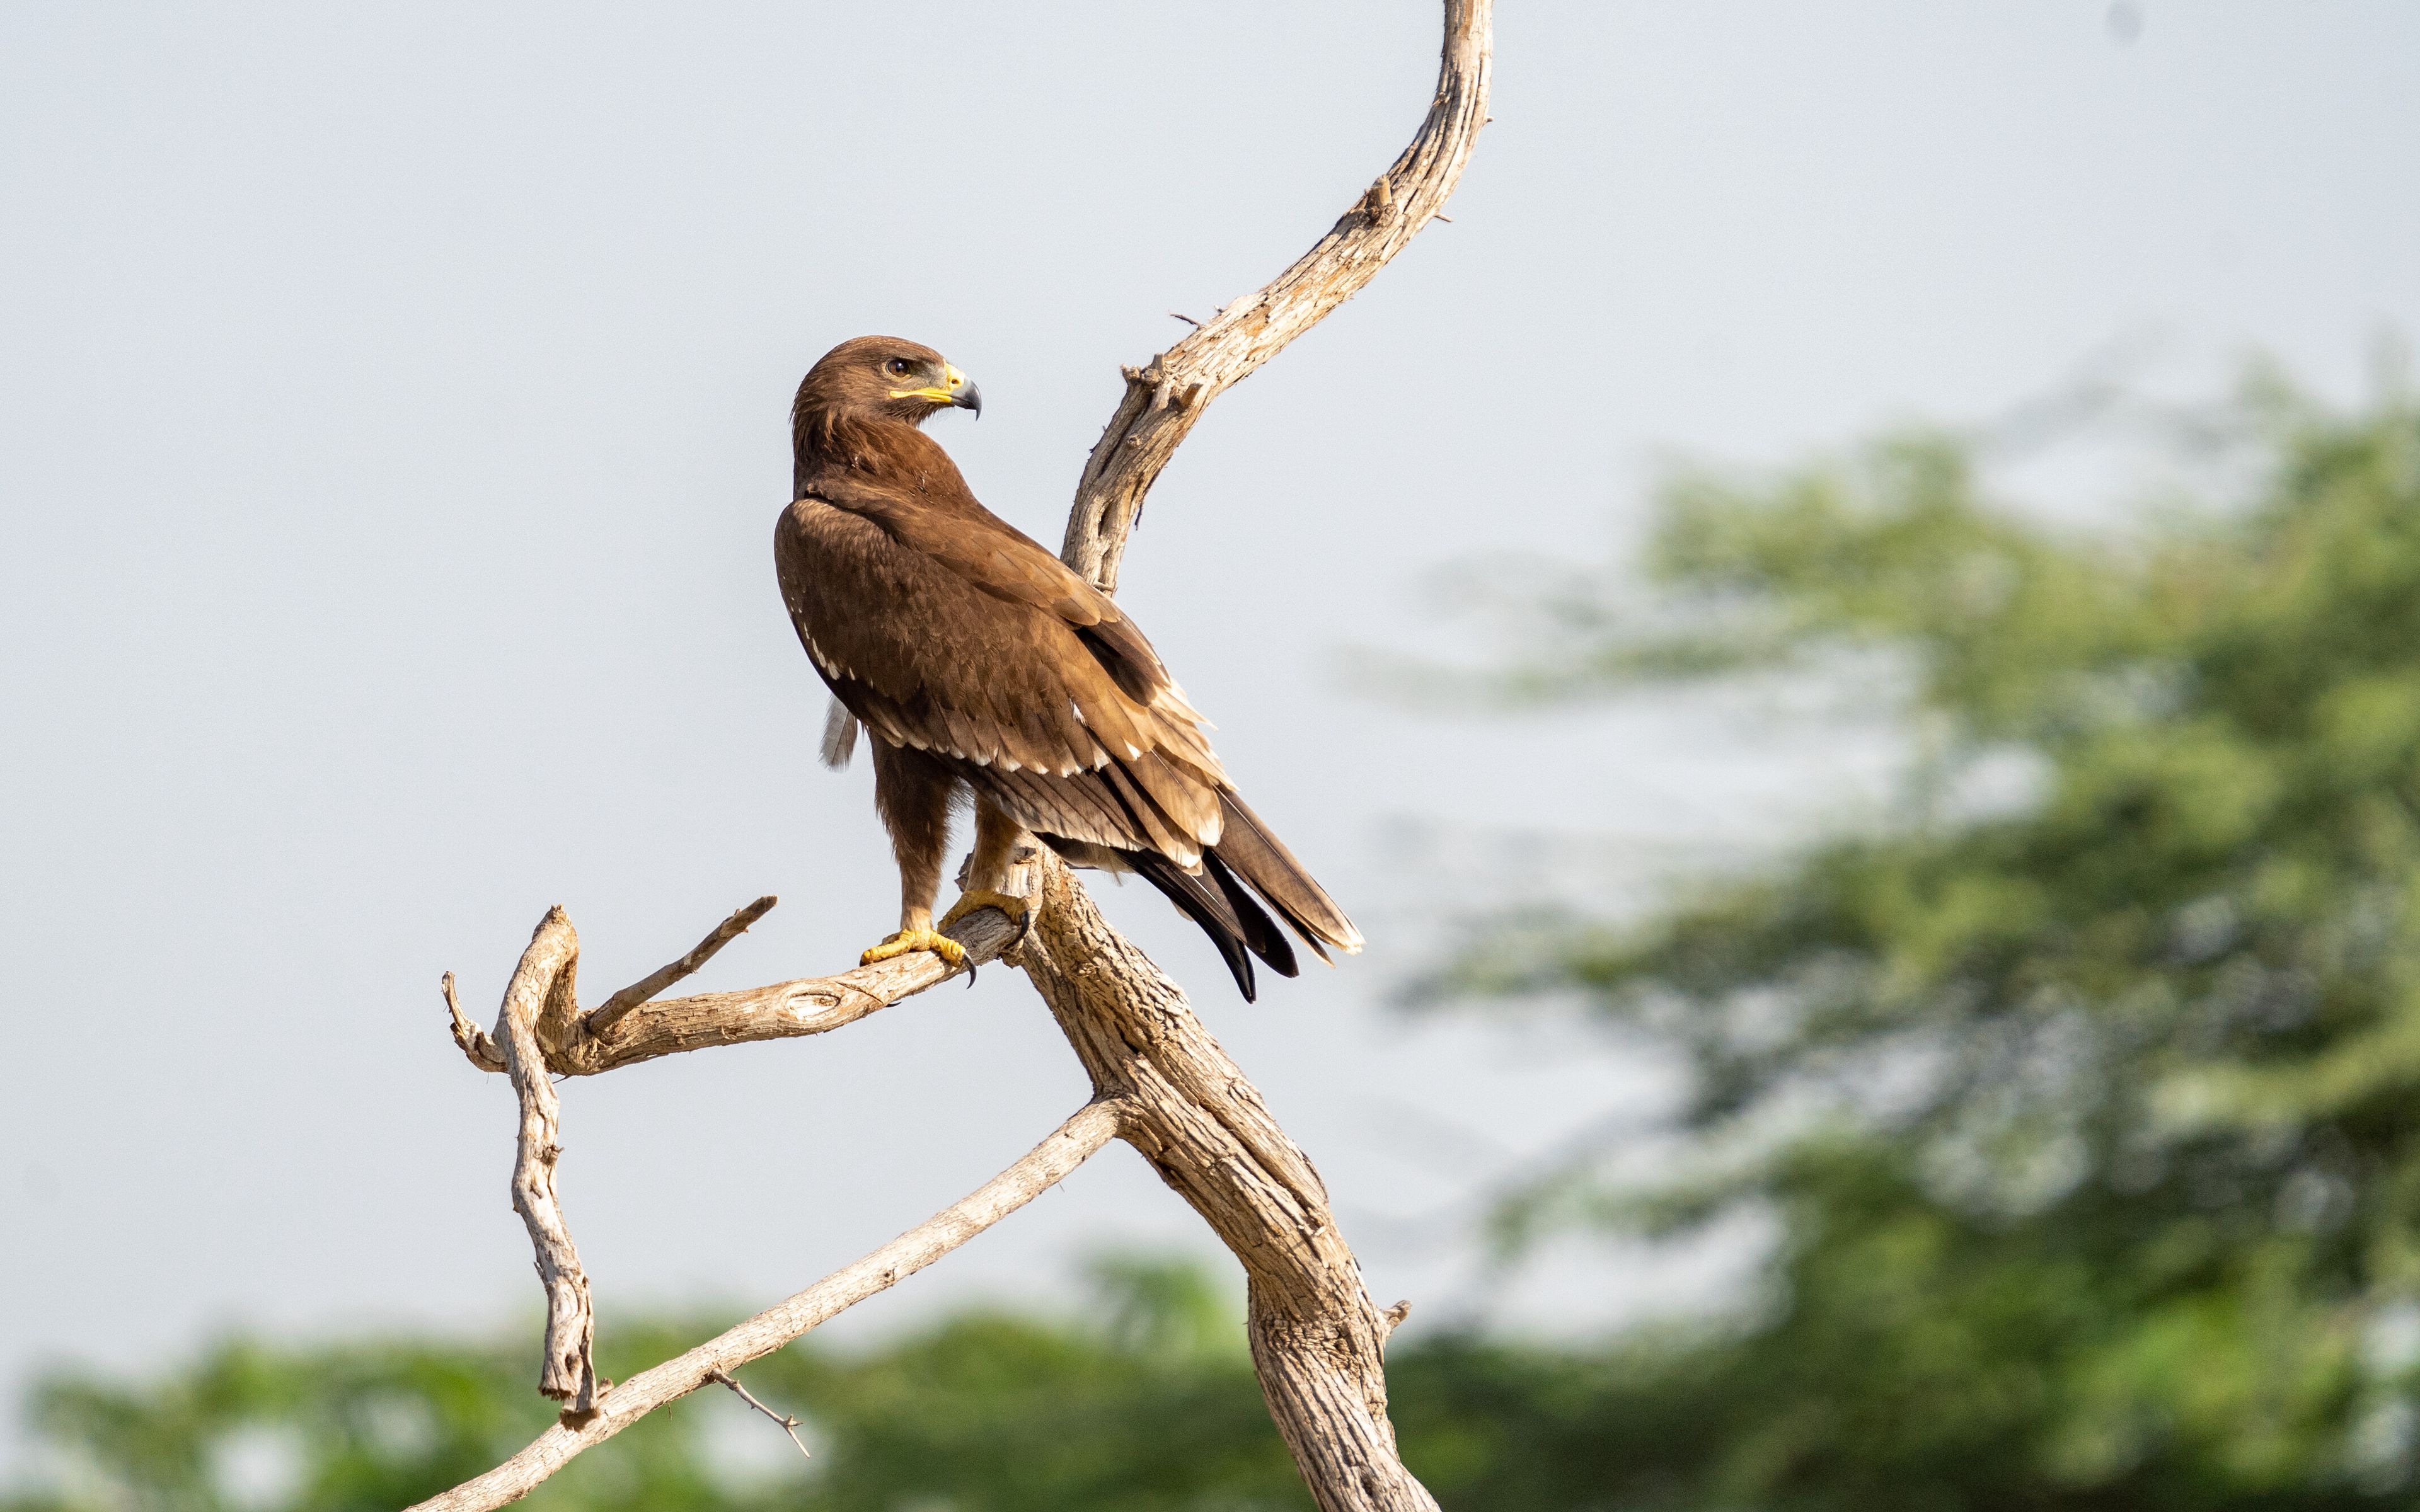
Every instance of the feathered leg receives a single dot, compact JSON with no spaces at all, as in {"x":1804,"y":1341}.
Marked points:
{"x":912,"y":792}
{"x":987,"y":868}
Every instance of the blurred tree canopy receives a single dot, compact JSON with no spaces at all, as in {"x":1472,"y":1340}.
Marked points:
{"x":2087,"y":1115}
{"x":1145,"y":1402}
{"x":2078,"y":1099}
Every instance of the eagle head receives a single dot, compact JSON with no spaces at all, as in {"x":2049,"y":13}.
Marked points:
{"x":888,"y":378}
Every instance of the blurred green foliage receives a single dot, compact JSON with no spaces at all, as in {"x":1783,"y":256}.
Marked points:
{"x":985,"y":1409}
{"x":1144,"y":1402}
{"x":2084,"y":1098}
{"x":2079,"y":1098}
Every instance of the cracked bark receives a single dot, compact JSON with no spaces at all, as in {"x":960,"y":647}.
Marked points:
{"x":1318,"y":1341}
{"x":1160,"y":1082}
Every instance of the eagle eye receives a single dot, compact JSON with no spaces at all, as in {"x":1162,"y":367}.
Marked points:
{"x":898,"y":367}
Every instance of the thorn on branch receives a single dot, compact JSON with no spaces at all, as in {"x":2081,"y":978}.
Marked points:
{"x":1447,"y":219}
{"x":789,"y":1425}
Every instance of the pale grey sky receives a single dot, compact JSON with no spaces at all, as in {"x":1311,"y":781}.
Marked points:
{"x":392,"y":425}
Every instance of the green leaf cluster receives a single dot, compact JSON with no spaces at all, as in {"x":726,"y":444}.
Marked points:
{"x":2081,"y":1106}
{"x":2085,"y":1114}
{"x":1143,"y":1401}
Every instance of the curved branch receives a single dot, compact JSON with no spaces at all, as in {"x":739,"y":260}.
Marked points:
{"x":784,"y":1010}
{"x":1160,"y":1080}
{"x":1047,"y":1163}
{"x":1166,"y":395}
{"x":542,"y":980}
{"x":1318,"y":1341}
{"x":541,"y":1033}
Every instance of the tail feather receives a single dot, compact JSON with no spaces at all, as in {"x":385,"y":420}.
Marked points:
{"x":1209,"y":906}
{"x":1260,"y":858}
{"x":1220,"y":896}
{"x":1261,"y":934}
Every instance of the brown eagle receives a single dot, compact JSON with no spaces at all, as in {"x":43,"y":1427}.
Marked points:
{"x":985,"y":667}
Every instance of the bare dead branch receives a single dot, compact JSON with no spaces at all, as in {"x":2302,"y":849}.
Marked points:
{"x":1318,"y":1341}
{"x":1161,"y":1081}
{"x":787,"y":1425}
{"x":542,"y":1033}
{"x":1144,"y":432}
{"x":610,"y":1011}
{"x":474,"y":1040}
{"x":784,"y":1010}
{"x":569,"y":1373}
{"x":1043,"y":1167}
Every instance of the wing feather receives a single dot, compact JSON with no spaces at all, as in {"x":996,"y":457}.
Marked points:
{"x":937,"y":626}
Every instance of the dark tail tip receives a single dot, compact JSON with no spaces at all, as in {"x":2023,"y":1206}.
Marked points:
{"x":1208,"y":907}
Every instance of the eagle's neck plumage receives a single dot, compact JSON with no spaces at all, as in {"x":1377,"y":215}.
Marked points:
{"x":828,"y":440}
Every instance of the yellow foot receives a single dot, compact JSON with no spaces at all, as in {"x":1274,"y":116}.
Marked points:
{"x":916,"y":940}
{"x":969,"y":900}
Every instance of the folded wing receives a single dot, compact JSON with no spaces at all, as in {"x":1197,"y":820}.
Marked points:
{"x":1043,"y":695}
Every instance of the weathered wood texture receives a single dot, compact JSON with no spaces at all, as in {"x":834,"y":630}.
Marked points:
{"x":1046,"y":1165}
{"x":1161,"y":1081}
{"x":539,"y":1000}
{"x":628,"y":1028}
{"x":1317,"y":1339}
{"x":1166,"y":395}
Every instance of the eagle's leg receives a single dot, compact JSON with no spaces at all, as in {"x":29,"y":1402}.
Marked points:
{"x":989,"y":868}
{"x":913,"y":790}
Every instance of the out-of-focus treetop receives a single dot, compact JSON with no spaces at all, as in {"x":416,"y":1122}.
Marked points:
{"x":2082,"y":1116}
{"x":2087,"y":1114}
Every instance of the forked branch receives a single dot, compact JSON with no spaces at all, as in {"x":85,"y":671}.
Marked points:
{"x":643,"y":1029}
{"x":1045,"y":1166}
{"x":1318,"y":1341}
{"x":600,"y":1022}
{"x":1161,"y":1081}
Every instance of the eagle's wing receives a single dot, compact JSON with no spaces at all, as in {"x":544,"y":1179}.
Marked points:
{"x":952,"y":527}
{"x":943,"y":628}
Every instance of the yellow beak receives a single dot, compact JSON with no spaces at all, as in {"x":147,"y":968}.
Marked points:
{"x":954,"y":389}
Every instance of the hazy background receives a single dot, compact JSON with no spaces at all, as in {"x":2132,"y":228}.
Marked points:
{"x":392,"y":425}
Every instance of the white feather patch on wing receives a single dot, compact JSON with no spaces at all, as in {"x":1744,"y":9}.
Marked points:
{"x":840,"y":737}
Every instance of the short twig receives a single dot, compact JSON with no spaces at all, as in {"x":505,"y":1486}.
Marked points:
{"x":1447,"y":219}
{"x":611,"y":1010}
{"x":789,"y":1425}
{"x":473,"y":1041}
{"x":1187,"y":318}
